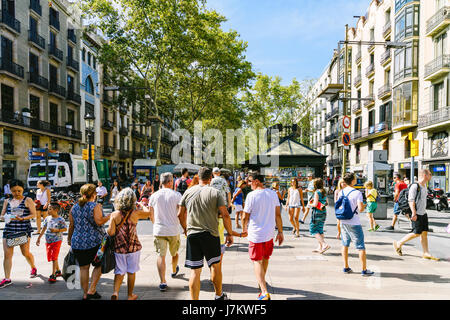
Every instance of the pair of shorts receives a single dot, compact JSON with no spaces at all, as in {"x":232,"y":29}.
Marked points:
{"x":86,"y":257}
{"x":201,"y":246}
{"x":127,"y":263}
{"x":396,"y":209}
{"x":260,"y":251}
{"x":53,"y":250}
{"x":294,"y":207}
{"x":420,"y":225}
{"x":238,"y":207}
{"x":162,"y":243}
{"x":371,"y":207}
{"x":222,"y":248}
{"x":352,"y":233}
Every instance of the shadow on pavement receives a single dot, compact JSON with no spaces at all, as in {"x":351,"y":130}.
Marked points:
{"x":373,"y":257}
{"x":415,"y":277}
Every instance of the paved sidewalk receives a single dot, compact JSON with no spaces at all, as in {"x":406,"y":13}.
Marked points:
{"x":294,"y":273}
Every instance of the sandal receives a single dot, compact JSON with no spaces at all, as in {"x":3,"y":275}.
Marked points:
{"x":325,"y":249}
{"x":431,"y":258}
{"x":397,"y":249}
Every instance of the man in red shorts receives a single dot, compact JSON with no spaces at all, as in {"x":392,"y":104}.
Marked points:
{"x":262,"y":212}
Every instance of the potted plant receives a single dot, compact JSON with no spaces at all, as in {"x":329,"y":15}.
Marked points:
{"x":26,"y":115}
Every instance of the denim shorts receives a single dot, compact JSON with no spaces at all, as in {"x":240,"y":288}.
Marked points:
{"x":396,"y":209}
{"x":353,"y":233}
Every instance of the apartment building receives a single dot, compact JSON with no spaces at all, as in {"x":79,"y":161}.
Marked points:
{"x":39,"y":81}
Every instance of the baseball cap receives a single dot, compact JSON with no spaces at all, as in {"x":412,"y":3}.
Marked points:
{"x":216,"y":170}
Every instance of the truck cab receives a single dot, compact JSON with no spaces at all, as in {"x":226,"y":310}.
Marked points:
{"x":58,"y":173}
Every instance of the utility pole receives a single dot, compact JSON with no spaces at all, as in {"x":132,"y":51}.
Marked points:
{"x":46,"y":162}
{"x":345,"y":102}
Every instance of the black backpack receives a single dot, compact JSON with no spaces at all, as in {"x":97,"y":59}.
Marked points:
{"x":182,"y":186}
{"x":403,"y":202}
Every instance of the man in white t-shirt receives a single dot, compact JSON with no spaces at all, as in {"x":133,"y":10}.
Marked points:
{"x":101,"y":192}
{"x":352,"y":229}
{"x":262,"y":213}
{"x":166,"y":226}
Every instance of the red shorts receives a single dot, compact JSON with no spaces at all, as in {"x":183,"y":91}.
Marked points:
{"x":260,"y":251}
{"x":53,"y":250}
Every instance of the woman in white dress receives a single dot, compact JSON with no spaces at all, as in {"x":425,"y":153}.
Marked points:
{"x":293,"y":203}
{"x":115,"y":189}
{"x":43,"y":197}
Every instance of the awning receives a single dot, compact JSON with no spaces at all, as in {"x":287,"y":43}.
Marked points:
{"x":144,"y":163}
{"x":193,"y":168}
{"x":382,"y":142}
{"x":379,"y":166}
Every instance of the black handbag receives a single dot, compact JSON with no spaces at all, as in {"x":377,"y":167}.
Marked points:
{"x":69,"y":260}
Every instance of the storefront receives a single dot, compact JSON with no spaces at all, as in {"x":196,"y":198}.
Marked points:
{"x":440,"y":174}
{"x":404,"y":168}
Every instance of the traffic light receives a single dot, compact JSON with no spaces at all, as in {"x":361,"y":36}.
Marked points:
{"x":86,"y":153}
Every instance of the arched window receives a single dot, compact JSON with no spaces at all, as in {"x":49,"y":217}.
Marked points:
{"x":89,"y":86}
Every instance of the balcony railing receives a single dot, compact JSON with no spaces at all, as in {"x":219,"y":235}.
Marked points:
{"x":358,"y":56}
{"x":331,"y":137}
{"x":356,"y":107}
{"x":107,"y":99}
{"x":108,"y":125}
{"x":36,"y":6}
{"x":357,"y":80}
{"x":123,"y":131}
{"x":166,"y":156}
{"x":385,"y":56}
{"x":71,"y":35}
{"x":438,"y":66}
{"x":74,"y":97}
{"x":55,"y":52}
{"x":57,"y":89}
{"x":439,"y":21}
{"x":373,"y":131}
{"x":54,"y":22}
{"x":370,"y":69}
{"x":435,"y":117}
{"x":138,"y":154}
{"x":71,"y":63}
{"x":123,"y":109}
{"x":34,"y":37}
{"x":384,"y":90}
{"x":124,"y":154}
{"x":10,"y":21}
{"x":11,"y":68}
{"x":16,"y":118}
{"x":387,"y":29}
{"x":371,"y":47}
{"x":108,"y":151}
{"x":36,"y":79}
{"x":369,"y":100}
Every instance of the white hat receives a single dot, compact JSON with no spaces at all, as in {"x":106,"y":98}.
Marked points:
{"x":216,"y":170}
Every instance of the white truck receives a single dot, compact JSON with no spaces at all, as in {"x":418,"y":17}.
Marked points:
{"x":67,"y":172}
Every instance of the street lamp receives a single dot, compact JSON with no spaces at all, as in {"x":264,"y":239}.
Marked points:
{"x":89,"y":123}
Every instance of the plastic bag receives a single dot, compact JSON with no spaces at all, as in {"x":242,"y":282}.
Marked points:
{"x":69,"y":260}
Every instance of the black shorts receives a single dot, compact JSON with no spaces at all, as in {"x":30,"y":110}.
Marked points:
{"x":199,"y":246}
{"x":420,"y":225}
{"x":85,"y":257}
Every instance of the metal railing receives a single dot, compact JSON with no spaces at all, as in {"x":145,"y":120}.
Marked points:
{"x":123,"y":109}
{"x":369,"y":100}
{"x":124,"y":154}
{"x":123,"y":131}
{"x":73,"y":96}
{"x":385,"y":56}
{"x":437,"y":64}
{"x":367,"y":133}
{"x":57,"y":89}
{"x":370,"y":69}
{"x":71,"y":35}
{"x":387,"y":28}
{"x":108,"y":125}
{"x":356,"y":107}
{"x":55,"y":52}
{"x":10,"y":21}
{"x":54,"y":22}
{"x":358,"y":56}
{"x":385,"y":89}
{"x":71,"y":63}
{"x":434,"y":117}
{"x":11,"y":67}
{"x":36,"y":6}
{"x":358,"y":79}
{"x":36,"y":79}
{"x":34,"y":37}
{"x":439,"y":17}
{"x":108,"y":151}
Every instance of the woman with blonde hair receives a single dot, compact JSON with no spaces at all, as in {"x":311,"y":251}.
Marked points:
{"x":194,"y":181}
{"x":127,"y":247}
{"x":371,"y":196}
{"x":86,"y":233}
{"x":294,"y":200}
{"x":340,"y":186}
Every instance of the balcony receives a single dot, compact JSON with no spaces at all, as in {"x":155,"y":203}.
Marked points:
{"x":73,"y":97}
{"x":71,"y":36}
{"x":165,"y":156}
{"x":108,"y":151}
{"x":385,"y":57}
{"x":371,"y":47}
{"x":54,"y":22}
{"x":378,"y":130}
{"x":438,"y":22}
{"x":107,"y":99}
{"x":12,"y":69}
{"x":437,"y":68}
{"x":369,"y":101}
{"x":331,"y":137}
{"x":108,"y":125}
{"x":334,"y":161}
{"x":57,"y":90}
{"x":138,"y":154}
{"x":370,"y":70}
{"x":358,"y":57}
{"x":16,"y":118}
{"x":385,"y":91}
{"x":36,"y":7}
{"x":358,"y":80}
{"x":73,"y":64}
{"x":36,"y":40}
{"x":135,"y":114}
{"x":404,"y":119}
{"x":123,"y":109}
{"x":9,"y":22}
{"x":124,"y":154}
{"x":435,"y":119}
{"x":55,"y":53}
{"x":123,"y":131}
{"x":36,"y":80}
{"x":387,"y":30}
{"x":356,"y":108}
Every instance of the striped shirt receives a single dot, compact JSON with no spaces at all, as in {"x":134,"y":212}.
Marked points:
{"x":16,"y":225}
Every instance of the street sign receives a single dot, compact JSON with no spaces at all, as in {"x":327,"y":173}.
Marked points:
{"x":346,"y":122}
{"x":346,"y":139}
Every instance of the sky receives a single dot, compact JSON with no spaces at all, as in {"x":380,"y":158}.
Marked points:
{"x":290,"y":38}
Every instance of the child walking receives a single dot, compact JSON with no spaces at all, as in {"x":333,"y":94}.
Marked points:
{"x":319,"y":215}
{"x":371,"y":196}
{"x":53,"y":228}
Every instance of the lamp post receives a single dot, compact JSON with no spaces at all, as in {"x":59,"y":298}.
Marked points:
{"x":89,"y":122}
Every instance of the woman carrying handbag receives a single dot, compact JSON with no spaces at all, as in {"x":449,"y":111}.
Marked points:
{"x":19,"y":212}
{"x":127,"y":248}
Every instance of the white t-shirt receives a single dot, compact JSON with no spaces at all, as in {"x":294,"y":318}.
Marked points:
{"x":355,"y":197}
{"x":294,"y":197}
{"x":101,"y":191}
{"x":164,"y":203}
{"x":260,"y":204}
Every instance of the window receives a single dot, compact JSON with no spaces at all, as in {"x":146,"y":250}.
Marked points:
{"x":53,"y":115}
{"x":407,"y":23}
{"x":70,"y":52}
{"x":94,"y":61}
{"x":61,"y":171}
{"x":385,"y":112}
{"x":105,"y":139}
{"x":35,"y":141}
{"x":405,"y":104}
{"x":89,"y":58}
{"x":8,"y":145}
{"x":33,"y":26}
{"x":70,"y":83}
{"x":7,"y":49}
{"x":358,"y":124}
{"x":53,"y":43}
{"x":114,"y":141}
{"x":89,"y":108}
{"x":358,"y":153}
{"x":440,"y":45}
{"x":439,"y":96}
{"x":71,"y":148}
{"x":54,"y":144}
{"x":71,"y":117}
{"x":53,"y":74}
{"x":89,"y":86}
{"x":83,"y":54}
{"x":7,"y":99}
{"x":370,"y":145}
{"x":405,"y":61}
{"x":371,"y":120}
{"x":34,"y":107}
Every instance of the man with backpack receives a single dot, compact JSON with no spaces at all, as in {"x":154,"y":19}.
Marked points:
{"x":399,"y":186}
{"x":417,"y":200}
{"x":182,"y":183}
{"x":347,"y":208}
